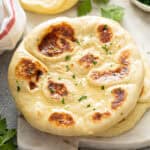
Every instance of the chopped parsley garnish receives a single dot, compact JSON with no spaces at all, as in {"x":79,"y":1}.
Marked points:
{"x":84,"y":7}
{"x":73,"y":76}
{"x":94,"y":62}
{"x":67,"y":68}
{"x":77,"y":41}
{"x":82,"y":98}
{"x":63,"y":101}
{"x":102,"y":87}
{"x":76,"y":84}
{"x":109,"y":52}
{"x":7,"y":136}
{"x":89,"y":105}
{"x":52,"y":90}
{"x":105,"y":27}
{"x":68,"y":57}
{"x":94,"y":108}
{"x":101,"y":1}
{"x":59,"y":78}
{"x":18,"y":86}
{"x":105,"y":47}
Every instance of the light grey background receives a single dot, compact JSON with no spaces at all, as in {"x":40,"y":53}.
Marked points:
{"x":7,"y":107}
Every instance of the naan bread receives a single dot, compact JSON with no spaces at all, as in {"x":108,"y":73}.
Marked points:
{"x":47,"y":6}
{"x":142,"y":106}
{"x":77,"y":76}
{"x":129,"y":122}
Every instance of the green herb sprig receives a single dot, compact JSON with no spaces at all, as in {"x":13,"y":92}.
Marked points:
{"x":109,"y":11}
{"x":82,"y":98}
{"x":7,"y":136}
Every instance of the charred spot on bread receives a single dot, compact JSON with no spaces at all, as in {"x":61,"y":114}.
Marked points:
{"x":105,"y":33}
{"x":61,"y":119}
{"x":58,"y":40}
{"x":116,"y":74}
{"x":30,"y":71}
{"x":32,"y":85}
{"x":88,"y":60}
{"x":124,"y":57}
{"x":97,"y":116}
{"x":57,"y":88}
{"x":119,"y":97}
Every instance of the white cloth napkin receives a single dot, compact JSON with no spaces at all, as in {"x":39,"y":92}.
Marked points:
{"x":12,"y":24}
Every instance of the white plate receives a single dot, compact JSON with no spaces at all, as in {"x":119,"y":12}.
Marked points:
{"x":138,"y":24}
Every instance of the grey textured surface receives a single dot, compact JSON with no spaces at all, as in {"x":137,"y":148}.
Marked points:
{"x":7,"y":107}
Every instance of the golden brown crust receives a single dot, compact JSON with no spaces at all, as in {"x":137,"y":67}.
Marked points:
{"x":124,"y":57}
{"x":105,"y":33}
{"x":61,"y":119}
{"x":120,"y":96}
{"x":57,"y":88}
{"x":97,"y":116}
{"x":28,"y":70}
{"x":88,"y":60}
{"x":58,"y":40}
{"x":119,"y":73}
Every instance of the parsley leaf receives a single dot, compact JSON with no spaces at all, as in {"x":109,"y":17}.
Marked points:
{"x":84,"y":7}
{"x":8,"y":146}
{"x":78,"y":42}
{"x":6,"y":136}
{"x":94,"y":62}
{"x":52,"y":90}
{"x":63,"y":101}
{"x":73,"y":76}
{"x":102,"y":87}
{"x":68,"y":57}
{"x":82,"y":98}
{"x":89,"y":105}
{"x":2,"y":126}
{"x":101,"y":1}
{"x":105,"y":47}
{"x":113,"y":12}
{"x":18,"y":86}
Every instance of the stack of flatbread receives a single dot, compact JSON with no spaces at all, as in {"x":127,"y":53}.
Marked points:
{"x":80,"y":77}
{"x":47,"y":6}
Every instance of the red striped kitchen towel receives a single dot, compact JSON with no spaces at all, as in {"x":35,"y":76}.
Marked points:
{"x":12,"y":24}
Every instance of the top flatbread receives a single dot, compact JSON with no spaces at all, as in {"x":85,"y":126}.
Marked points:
{"x":76,"y":76}
{"x":47,"y":6}
{"x":142,"y":106}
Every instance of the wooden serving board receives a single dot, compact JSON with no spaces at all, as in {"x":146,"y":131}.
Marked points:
{"x":138,"y":24}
